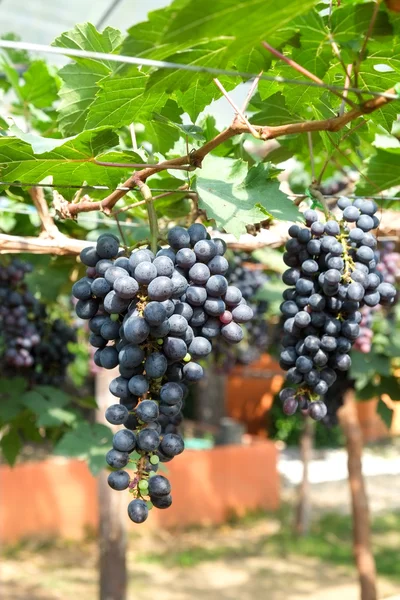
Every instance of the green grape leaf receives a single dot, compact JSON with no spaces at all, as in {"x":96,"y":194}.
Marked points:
{"x":7,"y":222}
{"x":146,"y":37}
{"x":125,"y":157}
{"x":17,"y":57}
{"x":11,"y":445}
{"x":210,"y":53}
{"x":365,"y":366}
{"x":40,"y":87}
{"x":77,"y":93}
{"x":52,"y":394}
{"x":55,"y":416}
{"x":47,"y":403}
{"x":87,"y":441}
{"x":235,"y":197}
{"x":39,"y":144}
{"x":351,"y":21}
{"x":273,"y":112}
{"x":80,"y":78}
{"x":11,"y":74}
{"x":34,"y":401}
{"x":381,"y":71}
{"x":163,"y":129}
{"x":194,"y":99}
{"x":382,"y":172}
{"x":214,"y":34}
{"x":314,"y":54}
{"x":10,"y":397}
{"x":72,"y":162}
{"x":187,"y":131}
{"x":385,"y":413}
{"x":210,"y":19}
{"x":123,"y":99}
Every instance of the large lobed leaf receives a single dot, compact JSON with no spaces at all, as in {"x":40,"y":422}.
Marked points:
{"x":88,"y":441}
{"x":382,"y":172}
{"x":29,"y":158}
{"x":214,"y":34}
{"x":80,"y":78}
{"x":123,"y":99}
{"x":235,"y":197}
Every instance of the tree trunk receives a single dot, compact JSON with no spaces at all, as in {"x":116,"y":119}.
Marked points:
{"x":303,"y":509}
{"x":112,"y":505}
{"x":361,"y":526}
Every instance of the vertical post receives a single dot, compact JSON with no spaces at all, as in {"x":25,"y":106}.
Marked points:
{"x":112,"y":514}
{"x":303,"y":509}
{"x":364,"y":558}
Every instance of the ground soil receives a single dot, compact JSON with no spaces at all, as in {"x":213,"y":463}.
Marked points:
{"x":66,"y":571}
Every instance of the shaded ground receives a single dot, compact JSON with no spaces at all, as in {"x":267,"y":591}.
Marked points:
{"x":251,"y":559}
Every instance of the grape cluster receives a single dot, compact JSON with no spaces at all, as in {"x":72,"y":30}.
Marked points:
{"x":389,"y":267}
{"x":51,"y":355}
{"x":31,"y":342}
{"x":18,"y":307}
{"x":155,"y":316}
{"x":332,"y":274}
{"x":249,"y":276}
{"x":389,"y":262}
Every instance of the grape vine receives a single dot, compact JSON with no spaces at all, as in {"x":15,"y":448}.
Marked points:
{"x":155,"y":316}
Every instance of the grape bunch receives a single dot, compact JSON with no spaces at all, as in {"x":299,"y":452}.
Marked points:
{"x":51,"y":355}
{"x":333,"y":272}
{"x":18,"y":308}
{"x":32,"y":344}
{"x":155,"y":317}
{"x":389,"y":262}
{"x":389,"y":267}
{"x":249,"y":276}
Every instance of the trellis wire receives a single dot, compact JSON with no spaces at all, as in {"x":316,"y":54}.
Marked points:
{"x":161,"y":64}
{"x":106,"y":188}
{"x":102,"y":188}
{"x":33,"y":212}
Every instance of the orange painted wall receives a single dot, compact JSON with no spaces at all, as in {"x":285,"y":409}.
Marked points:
{"x":59,"y":496}
{"x":250,"y":393}
{"x":41,"y":498}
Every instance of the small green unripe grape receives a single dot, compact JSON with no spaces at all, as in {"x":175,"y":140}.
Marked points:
{"x":187,"y":358}
{"x":114,"y":317}
{"x":149,"y":505}
{"x":143,"y":485}
{"x":160,"y":341}
{"x":154,"y":460}
{"x":152,"y":474}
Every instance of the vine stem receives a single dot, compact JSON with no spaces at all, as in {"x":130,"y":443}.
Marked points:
{"x":70,"y":209}
{"x":320,"y":197}
{"x":151,"y":212}
{"x":292,"y":63}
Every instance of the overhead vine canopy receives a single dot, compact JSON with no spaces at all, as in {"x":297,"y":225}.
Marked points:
{"x":325,"y":86}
